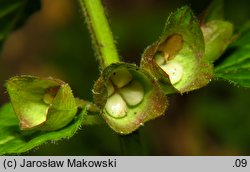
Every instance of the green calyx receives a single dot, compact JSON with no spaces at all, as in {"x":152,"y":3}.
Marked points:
{"x":128,"y":97}
{"x":218,"y":35}
{"x":217,"y":32}
{"x":176,"y":59}
{"x":41,"y":103}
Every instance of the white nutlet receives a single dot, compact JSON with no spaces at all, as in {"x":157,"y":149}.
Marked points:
{"x":159,"y":58}
{"x":110,"y":88}
{"x":174,"y":71}
{"x":133,"y":93}
{"x":121,"y":77}
{"x":116,"y":106}
{"x":48,"y":98}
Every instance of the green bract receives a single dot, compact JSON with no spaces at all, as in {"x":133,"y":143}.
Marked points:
{"x":128,"y":97}
{"x":41,"y":103}
{"x":176,"y":59}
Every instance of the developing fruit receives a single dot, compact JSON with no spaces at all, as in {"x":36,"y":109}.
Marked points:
{"x":128,"y":97}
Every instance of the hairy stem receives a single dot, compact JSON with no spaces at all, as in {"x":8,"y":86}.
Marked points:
{"x":93,"y":116}
{"x":100,"y":32}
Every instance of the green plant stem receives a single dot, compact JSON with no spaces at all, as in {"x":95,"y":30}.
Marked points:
{"x":100,"y":32}
{"x":93,"y":112}
{"x":92,"y":120}
{"x":91,"y":107}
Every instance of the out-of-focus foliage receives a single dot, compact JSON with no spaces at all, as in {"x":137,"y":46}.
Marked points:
{"x":236,"y":65}
{"x":13,"y":13}
{"x":222,"y":116}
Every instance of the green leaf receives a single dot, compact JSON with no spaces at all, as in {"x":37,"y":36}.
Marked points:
{"x":13,"y":13}
{"x":236,"y":67}
{"x":15,"y":141}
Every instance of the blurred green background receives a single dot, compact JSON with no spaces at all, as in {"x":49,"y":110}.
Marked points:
{"x":214,"y":120}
